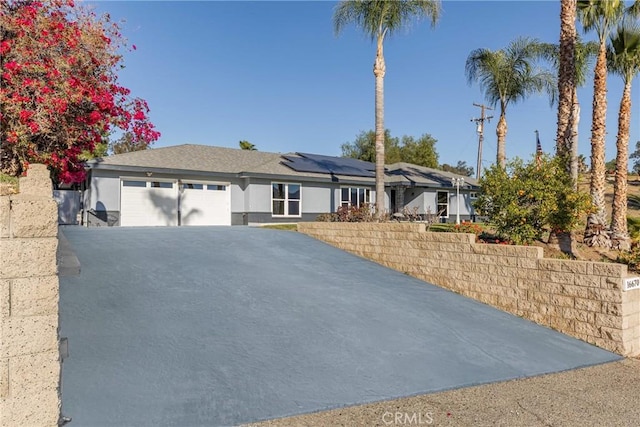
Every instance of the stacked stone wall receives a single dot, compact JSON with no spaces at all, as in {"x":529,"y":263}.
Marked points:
{"x":29,"y":294}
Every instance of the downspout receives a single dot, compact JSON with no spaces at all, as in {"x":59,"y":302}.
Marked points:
{"x":179,"y":202}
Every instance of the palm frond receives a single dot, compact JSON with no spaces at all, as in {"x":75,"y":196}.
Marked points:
{"x":510,"y":75}
{"x":382,"y":17}
{"x":600,"y":15}
{"x":623,"y":51}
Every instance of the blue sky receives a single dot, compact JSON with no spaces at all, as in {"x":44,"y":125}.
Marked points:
{"x":274,"y":73}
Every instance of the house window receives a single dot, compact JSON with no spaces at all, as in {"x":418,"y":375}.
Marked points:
{"x":285,"y":199}
{"x":443,"y":204}
{"x":214,"y":187}
{"x":473,"y":195}
{"x":354,"y":196}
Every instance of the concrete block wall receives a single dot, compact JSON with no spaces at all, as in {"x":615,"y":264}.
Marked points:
{"x":29,"y":294}
{"x":583,"y":299}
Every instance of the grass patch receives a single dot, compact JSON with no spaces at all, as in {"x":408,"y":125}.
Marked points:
{"x":287,"y":227}
{"x":8,"y":179}
{"x":10,"y":184}
{"x":441,"y":227}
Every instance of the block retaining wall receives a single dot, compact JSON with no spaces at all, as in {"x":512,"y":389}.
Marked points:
{"x":579,"y":298}
{"x":29,"y":294}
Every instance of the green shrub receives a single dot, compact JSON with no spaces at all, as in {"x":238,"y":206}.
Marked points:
{"x":631,"y":257}
{"x":633,"y":225}
{"x":525,"y":200}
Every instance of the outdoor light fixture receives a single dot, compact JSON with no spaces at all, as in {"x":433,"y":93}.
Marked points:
{"x":457,"y":182}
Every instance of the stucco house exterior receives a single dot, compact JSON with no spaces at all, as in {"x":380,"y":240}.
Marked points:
{"x":207,"y":185}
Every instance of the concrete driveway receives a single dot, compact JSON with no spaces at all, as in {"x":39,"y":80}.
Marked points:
{"x":211,"y":326}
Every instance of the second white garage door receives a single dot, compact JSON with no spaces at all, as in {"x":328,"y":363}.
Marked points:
{"x":205,"y":203}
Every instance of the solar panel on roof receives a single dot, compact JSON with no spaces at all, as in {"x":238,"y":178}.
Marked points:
{"x":316,"y":163}
{"x":347,"y":161}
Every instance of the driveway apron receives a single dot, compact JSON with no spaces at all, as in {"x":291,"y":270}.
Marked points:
{"x":217,"y":326}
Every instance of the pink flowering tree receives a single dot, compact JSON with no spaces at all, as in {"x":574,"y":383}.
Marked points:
{"x":59,"y":89}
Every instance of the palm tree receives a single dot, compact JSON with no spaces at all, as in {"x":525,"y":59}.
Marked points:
{"x":569,"y":115}
{"x":507,"y":76}
{"x":379,"y":19}
{"x":623,"y":59}
{"x":601,"y":16}
{"x":566,"y":55}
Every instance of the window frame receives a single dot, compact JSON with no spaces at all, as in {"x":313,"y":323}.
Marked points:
{"x":438,"y":204}
{"x":286,"y":200}
{"x":350,"y":188}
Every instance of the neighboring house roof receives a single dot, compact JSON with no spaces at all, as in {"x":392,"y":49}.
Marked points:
{"x":420,"y":176}
{"x":208,"y":159}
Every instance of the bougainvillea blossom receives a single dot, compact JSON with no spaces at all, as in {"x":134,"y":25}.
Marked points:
{"x":59,"y":90}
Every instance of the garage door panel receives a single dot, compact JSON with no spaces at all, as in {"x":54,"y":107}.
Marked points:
{"x":205,"y":204}
{"x":154,"y":204}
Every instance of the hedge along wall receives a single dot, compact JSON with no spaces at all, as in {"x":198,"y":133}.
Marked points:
{"x":579,"y":298}
{"x":29,"y":294}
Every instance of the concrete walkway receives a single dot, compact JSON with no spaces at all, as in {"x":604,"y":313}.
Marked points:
{"x":224,"y":326}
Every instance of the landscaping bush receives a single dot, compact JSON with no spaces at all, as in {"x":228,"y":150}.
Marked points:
{"x":326,"y":217}
{"x":360,"y":213}
{"x":633,"y":225}
{"x":631,"y":257}
{"x":467,"y":227}
{"x":354,"y":213}
{"x":525,"y":200}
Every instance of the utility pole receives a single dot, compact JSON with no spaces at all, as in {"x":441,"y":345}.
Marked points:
{"x":480,"y":131}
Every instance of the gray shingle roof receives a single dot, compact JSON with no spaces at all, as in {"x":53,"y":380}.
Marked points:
{"x":203,"y":158}
{"x":206,"y":158}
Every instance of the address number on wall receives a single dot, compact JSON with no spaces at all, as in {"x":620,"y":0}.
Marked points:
{"x":631,"y":283}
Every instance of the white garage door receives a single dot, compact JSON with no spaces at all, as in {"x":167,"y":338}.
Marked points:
{"x":148,"y":203}
{"x":205,"y":203}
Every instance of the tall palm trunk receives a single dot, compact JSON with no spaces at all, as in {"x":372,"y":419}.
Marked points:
{"x":566,"y":145}
{"x":566,"y":79}
{"x":501,"y":133}
{"x":619,"y":232}
{"x":379,"y":70}
{"x":566,"y":240}
{"x":596,"y":233}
